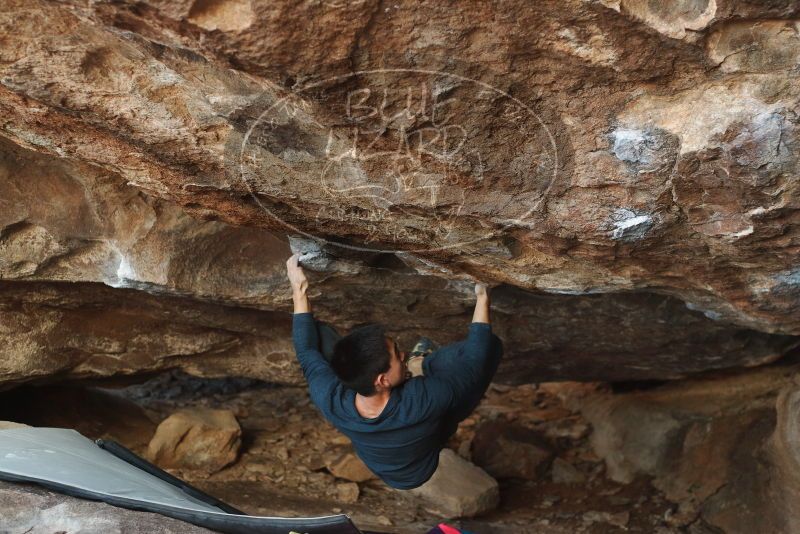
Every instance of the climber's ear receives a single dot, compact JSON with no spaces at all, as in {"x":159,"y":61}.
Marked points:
{"x":382,"y":381}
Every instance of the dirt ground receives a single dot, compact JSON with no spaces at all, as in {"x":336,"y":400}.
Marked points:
{"x":286,"y":443}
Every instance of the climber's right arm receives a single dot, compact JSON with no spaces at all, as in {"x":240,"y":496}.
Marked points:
{"x":482,"y":304}
{"x":299,"y":283}
{"x":316,"y":369}
{"x":319,"y":375}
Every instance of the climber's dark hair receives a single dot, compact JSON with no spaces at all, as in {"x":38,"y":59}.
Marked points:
{"x":360,"y":356}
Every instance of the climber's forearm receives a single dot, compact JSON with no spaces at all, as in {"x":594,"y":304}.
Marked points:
{"x":481,"y":314}
{"x":301,"y":303}
{"x":298,"y":283}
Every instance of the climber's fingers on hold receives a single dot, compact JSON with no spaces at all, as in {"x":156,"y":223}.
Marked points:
{"x":293,"y":270}
{"x":480,"y":289}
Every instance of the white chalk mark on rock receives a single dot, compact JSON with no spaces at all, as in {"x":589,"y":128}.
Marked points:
{"x":630,"y":226}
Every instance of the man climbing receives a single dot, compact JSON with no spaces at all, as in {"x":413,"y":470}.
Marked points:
{"x":397,"y":412}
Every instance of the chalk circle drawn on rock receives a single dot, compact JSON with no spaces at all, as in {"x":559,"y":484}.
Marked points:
{"x":409,"y":155}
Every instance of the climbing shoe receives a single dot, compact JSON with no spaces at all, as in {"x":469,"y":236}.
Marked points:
{"x":423,"y":347}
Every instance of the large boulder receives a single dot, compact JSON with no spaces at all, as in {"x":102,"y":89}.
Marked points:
{"x":647,"y":230}
{"x":623,"y":173}
{"x":198,"y":439}
{"x":506,"y":450}
{"x":459,"y":488}
{"x":723,"y":448}
{"x":783,"y":453}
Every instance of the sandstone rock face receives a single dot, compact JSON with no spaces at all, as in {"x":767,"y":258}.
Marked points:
{"x":624,"y":172}
{"x":725,"y":447}
{"x":506,"y":451}
{"x":196,"y":438}
{"x":83,"y":330}
{"x":783,"y":452}
{"x":29,"y":508}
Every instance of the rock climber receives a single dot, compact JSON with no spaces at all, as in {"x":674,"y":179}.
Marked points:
{"x":397,"y":409}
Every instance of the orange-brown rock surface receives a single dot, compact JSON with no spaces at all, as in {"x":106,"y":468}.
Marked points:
{"x":625,"y":175}
{"x":725,"y":448}
{"x":198,"y":438}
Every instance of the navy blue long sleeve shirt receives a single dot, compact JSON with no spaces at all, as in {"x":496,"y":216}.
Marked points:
{"x":402,"y":444}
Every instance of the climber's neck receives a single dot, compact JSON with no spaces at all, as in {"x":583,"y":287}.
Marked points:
{"x":372,"y":406}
